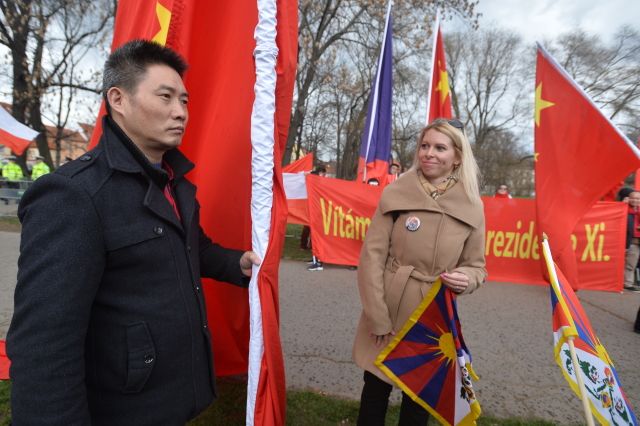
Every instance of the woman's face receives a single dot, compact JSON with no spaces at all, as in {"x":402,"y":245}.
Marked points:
{"x":436,"y":156}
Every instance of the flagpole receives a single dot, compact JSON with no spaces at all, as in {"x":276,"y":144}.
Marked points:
{"x":433,"y":61}
{"x":374,"y":105}
{"x":572,"y":349}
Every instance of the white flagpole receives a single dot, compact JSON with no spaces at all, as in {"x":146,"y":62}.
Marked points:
{"x":574,"y":358}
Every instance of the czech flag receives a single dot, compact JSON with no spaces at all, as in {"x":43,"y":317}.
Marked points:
{"x":375,"y":146}
{"x":430,"y":362}
{"x":14,"y":134}
{"x":606,"y":398}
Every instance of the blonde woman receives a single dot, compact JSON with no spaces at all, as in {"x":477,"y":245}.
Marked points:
{"x":429,"y":224}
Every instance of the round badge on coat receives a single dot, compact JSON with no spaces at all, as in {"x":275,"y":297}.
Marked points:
{"x":412,"y":223}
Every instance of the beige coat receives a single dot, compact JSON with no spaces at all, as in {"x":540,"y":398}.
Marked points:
{"x":397,"y":266}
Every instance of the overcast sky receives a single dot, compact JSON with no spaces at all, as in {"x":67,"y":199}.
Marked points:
{"x":537,"y":20}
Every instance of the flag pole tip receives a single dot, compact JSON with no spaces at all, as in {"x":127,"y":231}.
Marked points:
{"x":545,"y":236}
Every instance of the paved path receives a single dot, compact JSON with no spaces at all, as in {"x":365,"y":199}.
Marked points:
{"x":507,"y":328}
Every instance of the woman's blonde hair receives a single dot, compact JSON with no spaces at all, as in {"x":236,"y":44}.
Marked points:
{"x":468,"y":172}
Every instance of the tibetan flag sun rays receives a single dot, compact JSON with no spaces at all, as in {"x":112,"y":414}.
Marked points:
{"x":606,"y":399}
{"x":375,"y":145}
{"x":430,"y":362}
{"x":439,"y":101}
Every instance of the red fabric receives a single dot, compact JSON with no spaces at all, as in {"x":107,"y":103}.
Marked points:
{"x":440,"y":98}
{"x":305,"y":164}
{"x":571,"y":173}
{"x":271,"y":398}
{"x":16,"y":144}
{"x":298,"y":211}
{"x":378,"y":170}
{"x":499,"y":195}
{"x":339,"y":213}
{"x":5,"y":363}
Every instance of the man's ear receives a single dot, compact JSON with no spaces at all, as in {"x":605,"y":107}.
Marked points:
{"x":116,"y":98}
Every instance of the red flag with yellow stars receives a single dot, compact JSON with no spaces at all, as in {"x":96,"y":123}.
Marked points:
{"x":242,"y":63}
{"x":579,"y":156}
{"x":439,"y":105}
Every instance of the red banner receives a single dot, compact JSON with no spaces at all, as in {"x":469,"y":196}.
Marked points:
{"x":340,"y":213}
{"x":513,"y":251}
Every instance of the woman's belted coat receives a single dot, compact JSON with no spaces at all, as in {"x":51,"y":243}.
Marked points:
{"x":398,"y":265}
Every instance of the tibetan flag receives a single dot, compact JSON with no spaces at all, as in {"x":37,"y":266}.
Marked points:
{"x":375,"y":145}
{"x":579,"y":156}
{"x":242,"y":62}
{"x":606,"y":397}
{"x":439,"y":101}
{"x":304,"y":164}
{"x":14,"y":134}
{"x":430,"y":362}
{"x":4,"y":362}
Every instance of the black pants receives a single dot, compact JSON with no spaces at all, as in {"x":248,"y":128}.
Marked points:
{"x":636,"y":328}
{"x":375,"y":400}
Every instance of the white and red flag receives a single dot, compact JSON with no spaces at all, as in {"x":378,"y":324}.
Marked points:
{"x":14,"y":134}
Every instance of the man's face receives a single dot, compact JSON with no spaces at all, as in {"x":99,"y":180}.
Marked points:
{"x":393,"y":169}
{"x":154,"y":115}
{"x":634,"y":199}
{"x":502,"y":189}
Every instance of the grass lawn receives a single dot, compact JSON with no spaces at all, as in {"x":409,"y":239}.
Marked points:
{"x":10,"y":224}
{"x":292,"y":248}
{"x":304,"y":408}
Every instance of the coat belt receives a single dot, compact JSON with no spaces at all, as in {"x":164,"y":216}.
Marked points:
{"x":401,"y":276}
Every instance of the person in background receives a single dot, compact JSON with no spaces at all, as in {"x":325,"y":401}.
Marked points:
{"x":632,"y":242}
{"x":305,"y":237}
{"x":110,"y":324}
{"x":12,"y":174}
{"x":394,"y":172}
{"x":502,"y":192}
{"x":429,"y":224}
{"x":40,"y":168}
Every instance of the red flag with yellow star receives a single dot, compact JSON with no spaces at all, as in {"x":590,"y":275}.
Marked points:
{"x":242,"y":62}
{"x":579,"y":156}
{"x":439,"y":105}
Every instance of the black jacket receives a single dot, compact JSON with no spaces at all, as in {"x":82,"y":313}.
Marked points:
{"x":110,"y":324}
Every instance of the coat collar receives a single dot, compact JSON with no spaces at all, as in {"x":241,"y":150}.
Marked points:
{"x":407,"y":194}
{"x":122,"y":154}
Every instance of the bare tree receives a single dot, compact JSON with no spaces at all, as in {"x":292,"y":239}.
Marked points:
{"x":340,"y":29}
{"x":47,"y":39}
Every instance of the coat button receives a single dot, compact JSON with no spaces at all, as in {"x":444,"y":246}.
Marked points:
{"x":204,"y":326}
{"x":148,"y":359}
{"x":198,"y":288}
{"x":158,"y":230}
{"x":189,"y":249}
{"x":85,"y":157}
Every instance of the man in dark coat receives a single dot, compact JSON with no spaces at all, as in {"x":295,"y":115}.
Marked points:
{"x":110,"y":324}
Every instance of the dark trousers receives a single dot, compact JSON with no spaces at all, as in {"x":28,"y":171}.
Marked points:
{"x":637,"y":325}
{"x":375,"y":400}
{"x":305,"y":238}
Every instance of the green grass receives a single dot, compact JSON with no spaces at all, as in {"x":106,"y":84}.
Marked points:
{"x":292,"y":248}
{"x":304,"y":408}
{"x":5,"y":405}
{"x":10,"y":224}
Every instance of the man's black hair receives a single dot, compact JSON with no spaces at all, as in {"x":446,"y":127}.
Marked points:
{"x":127,"y":64}
{"x":318,"y":170}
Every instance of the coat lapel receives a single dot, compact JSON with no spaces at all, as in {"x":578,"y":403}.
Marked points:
{"x":407,"y":194}
{"x":155,"y":201}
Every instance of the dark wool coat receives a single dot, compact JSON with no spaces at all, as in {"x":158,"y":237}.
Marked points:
{"x":110,"y":324}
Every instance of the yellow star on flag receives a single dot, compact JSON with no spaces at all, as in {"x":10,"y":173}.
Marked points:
{"x":164,"y":17}
{"x":443,"y":85}
{"x":540,"y":103}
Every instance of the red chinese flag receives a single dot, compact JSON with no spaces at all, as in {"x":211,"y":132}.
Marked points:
{"x":439,"y":105}
{"x":579,"y":153}
{"x":305,"y":164}
{"x":217,"y":41}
